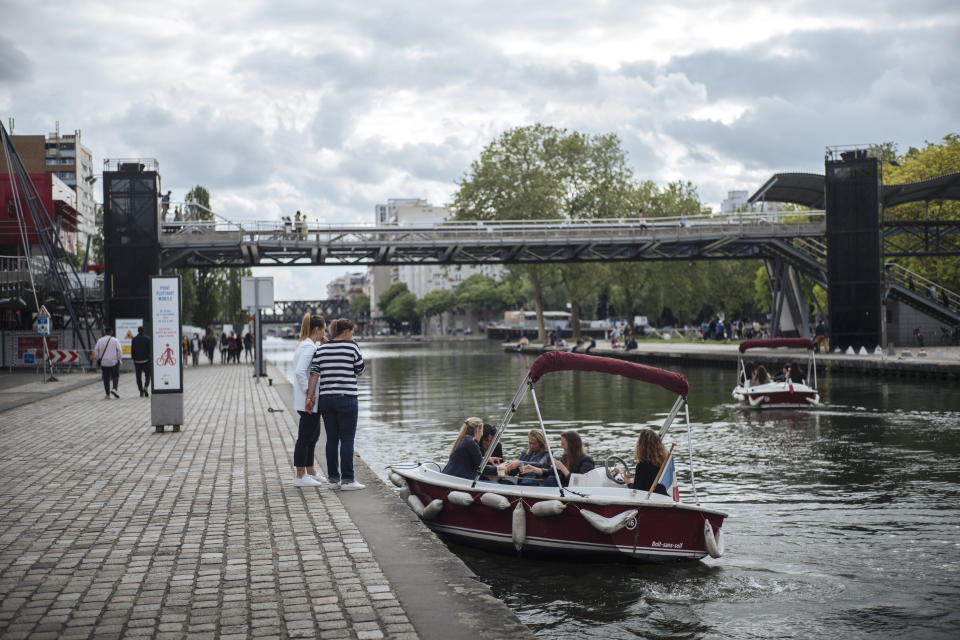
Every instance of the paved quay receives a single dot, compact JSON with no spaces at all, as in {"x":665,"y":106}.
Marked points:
{"x":108,"y":529}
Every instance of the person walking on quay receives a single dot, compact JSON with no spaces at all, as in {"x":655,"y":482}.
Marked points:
{"x":185,"y":343}
{"x":312,"y":329}
{"x":142,"y":361}
{"x":224,"y":345}
{"x":209,"y":345}
{"x":108,"y":352}
{"x":248,"y":346}
{"x":195,"y":349}
{"x":336,"y":365}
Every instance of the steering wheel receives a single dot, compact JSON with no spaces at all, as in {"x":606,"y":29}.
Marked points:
{"x":613,"y":471}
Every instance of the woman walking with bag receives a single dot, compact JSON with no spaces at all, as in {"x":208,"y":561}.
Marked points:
{"x":311,"y":334}
{"x":336,"y":365}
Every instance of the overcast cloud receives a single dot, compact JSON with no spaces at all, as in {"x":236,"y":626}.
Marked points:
{"x":330,"y":108}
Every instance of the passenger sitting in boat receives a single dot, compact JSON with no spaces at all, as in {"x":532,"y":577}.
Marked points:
{"x":534,"y":460}
{"x":760,"y":376}
{"x":574,"y":460}
{"x":465,"y":455}
{"x":488,"y":432}
{"x":784,"y":375}
{"x":650,"y":454}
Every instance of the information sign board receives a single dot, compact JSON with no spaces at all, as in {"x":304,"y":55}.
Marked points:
{"x":165,"y":312}
{"x":125,"y":330}
{"x":43,"y":326}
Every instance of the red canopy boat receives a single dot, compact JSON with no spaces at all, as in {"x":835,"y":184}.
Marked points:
{"x":758,"y":389}
{"x":596,"y":516}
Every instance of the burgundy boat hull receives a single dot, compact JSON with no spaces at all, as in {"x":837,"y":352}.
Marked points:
{"x":665,"y":533}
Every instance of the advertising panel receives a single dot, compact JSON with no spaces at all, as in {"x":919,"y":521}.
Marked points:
{"x":125,"y":329}
{"x":165,"y":311}
{"x":33,"y":346}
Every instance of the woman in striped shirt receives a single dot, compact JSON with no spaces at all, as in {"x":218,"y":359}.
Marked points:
{"x":336,"y":365}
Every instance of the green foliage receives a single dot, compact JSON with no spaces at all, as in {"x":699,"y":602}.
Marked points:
{"x":360,"y":307}
{"x":402,"y":308}
{"x":436,"y":302}
{"x":483,"y":293}
{"x":916,"y":165}
{"x":388,"y":295}
{"x":197,"y":196}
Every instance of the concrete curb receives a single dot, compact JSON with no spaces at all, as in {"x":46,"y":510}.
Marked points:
{"x":441,"y":596}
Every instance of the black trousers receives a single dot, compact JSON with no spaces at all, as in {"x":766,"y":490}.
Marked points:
{"x":110,"y":374}
{"x":144,"y":369}
{"x":307,"y":436}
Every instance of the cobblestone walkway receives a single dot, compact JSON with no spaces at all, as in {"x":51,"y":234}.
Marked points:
{"x":110,"y":530}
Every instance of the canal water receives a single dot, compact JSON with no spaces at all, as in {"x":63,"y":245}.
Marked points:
{"x":843,"y":521}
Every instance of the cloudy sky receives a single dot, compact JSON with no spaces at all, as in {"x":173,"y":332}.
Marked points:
{"x":332,"y":107}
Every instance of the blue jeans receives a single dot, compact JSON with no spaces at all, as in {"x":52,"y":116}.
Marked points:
{"x":339,"y":414}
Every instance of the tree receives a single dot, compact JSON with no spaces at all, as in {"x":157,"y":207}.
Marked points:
{"x":916,"y":165}
{"x":360,"y":307}
{"x":398,"y":306}
{"x":580,"y":281}
{"x":435,"y":303}
{"x":540,"y":172}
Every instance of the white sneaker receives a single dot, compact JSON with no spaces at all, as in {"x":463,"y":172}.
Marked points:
{"x":306,"y":481}
{"x":352,"y":486}
{"x":318,"y":477}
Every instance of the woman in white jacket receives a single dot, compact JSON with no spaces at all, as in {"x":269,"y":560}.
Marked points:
{"x":312,"y":330}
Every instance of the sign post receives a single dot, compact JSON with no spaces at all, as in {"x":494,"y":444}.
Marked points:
{"x":257,"y":293}
{"x":166,"y":397}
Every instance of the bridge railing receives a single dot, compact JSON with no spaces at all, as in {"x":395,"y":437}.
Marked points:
{"x":304,"y":230}
{"x":907,"y":279}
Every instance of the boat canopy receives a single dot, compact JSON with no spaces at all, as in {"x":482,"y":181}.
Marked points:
{"x":774,"y":343}
{"x":566,"y":361}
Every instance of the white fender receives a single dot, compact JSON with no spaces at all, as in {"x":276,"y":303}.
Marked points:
{"x":416,"y":504}
{"x":758,"y":400}
{"x":548,"y":508}
{"x":461,"y":498}
{"x":397,"y":479}
{"x":495,"y":501}
{"x":714,"y":543}
{"x":404,"y":493}
{"x":431,"y":510}
{"x":608,"y":525}
{"x":519,"y":526}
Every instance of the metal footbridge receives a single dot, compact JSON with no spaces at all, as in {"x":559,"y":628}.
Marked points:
{"x":219,"y":243}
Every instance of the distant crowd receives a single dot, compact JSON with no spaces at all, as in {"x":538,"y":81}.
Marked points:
{"x":229,"y":346}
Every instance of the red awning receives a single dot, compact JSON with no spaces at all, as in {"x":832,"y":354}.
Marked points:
{"x":777,"y":343}
{"x":566,"y":361}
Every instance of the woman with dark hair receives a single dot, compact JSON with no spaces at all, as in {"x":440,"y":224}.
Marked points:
{"x":336,"y":365}
{"x":312,"y":330}
{"x":650,"y":454}
{"x":574,"y":459}
{"x":489,"y":431}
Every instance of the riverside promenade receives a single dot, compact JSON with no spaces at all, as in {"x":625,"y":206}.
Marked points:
{"x":108,"y":529}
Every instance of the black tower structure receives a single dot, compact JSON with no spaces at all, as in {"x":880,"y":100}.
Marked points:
{"x":131,"y":236}
{"x":854,"y":253}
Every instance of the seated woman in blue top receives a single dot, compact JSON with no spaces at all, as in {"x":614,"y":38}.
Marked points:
{"x":574,"y":460}
{"x":650,"y":454}
{"x":534,"y":460}
{"x":465,"y":455}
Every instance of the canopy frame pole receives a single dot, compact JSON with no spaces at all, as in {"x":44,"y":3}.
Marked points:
{"x":693,"y":484}
{"x":812,"y":366}
{"x":668,"y":422}
{"x":507,"y":416}
{"x":543,"y":429}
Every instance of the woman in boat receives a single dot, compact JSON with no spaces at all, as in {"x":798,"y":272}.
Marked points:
{"x":650,"y":454}
{"x":574,"y":459}
{"x":465,"y":454}
{"x":534,"y":460}
{"x":760,"y":376}
{"x":488,"y":432}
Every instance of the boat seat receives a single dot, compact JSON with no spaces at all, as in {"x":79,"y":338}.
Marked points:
{"x":594,"y":478}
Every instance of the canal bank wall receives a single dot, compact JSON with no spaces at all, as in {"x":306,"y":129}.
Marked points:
{"x":935,"y":363}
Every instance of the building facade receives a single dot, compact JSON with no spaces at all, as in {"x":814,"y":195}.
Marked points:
{"x":347,"y":287}
{"x":64,"y":156}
